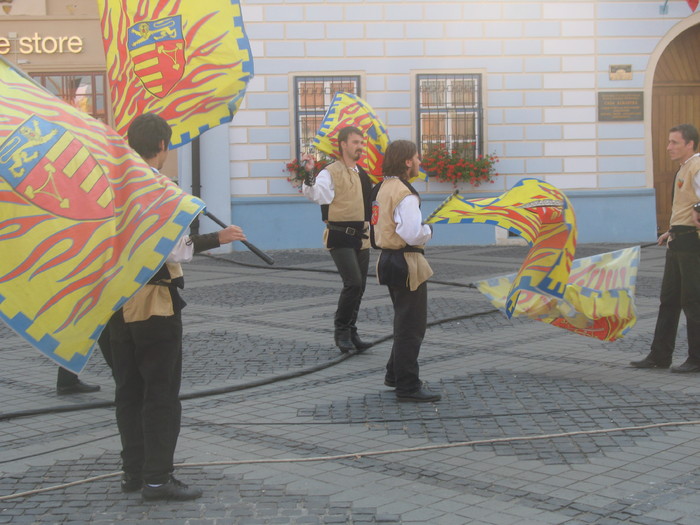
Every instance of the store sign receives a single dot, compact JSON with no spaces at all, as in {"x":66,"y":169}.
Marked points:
{"x":41,"y":45}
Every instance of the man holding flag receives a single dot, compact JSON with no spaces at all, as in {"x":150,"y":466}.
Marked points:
{"x":343,"y":191}
{"x":146,"y":340}
{"x":680,"y":287}
{"x":398,"y":231}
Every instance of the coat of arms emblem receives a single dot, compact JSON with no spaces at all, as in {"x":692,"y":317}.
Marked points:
{"x":157,"y":49}
{"x":49,"y":167}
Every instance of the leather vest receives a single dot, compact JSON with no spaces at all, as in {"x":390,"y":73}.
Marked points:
{"x":391,"y":193}
{"x":153,"y":299}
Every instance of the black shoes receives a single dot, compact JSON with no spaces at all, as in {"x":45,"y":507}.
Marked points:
{"x":349,"y":341}
{"x":172,"y":490}
{"x":389,"y":383}
{"x":647,"y":362}
{"x":686,"y":368}
{"x":77,"y":388}
{"x":131,"y":483}
{"x":422,"y":395}
{"x":344,"y":342}
{"x":358,"y":343}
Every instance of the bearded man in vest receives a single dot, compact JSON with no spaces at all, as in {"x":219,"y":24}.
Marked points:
{"x":343,"y":191}
{"x":680,"y":287}
{"x":145,"y":338}
{"x":397,"y":229}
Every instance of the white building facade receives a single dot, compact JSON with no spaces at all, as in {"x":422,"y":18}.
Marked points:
{"x":578,"y":93}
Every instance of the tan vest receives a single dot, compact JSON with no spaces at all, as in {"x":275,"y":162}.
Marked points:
{"x":684,"y":196}
{"x":391,"y":193}
{"x":152,"y":299}
{"x":348,"y":204}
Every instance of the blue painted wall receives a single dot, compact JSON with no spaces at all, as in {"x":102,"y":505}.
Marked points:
{"x":616,"y":216}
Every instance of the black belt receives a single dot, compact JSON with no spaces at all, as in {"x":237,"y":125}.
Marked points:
{"x":678,"y":229}
{"x":406,"y":249}
{"x":348,"y":230}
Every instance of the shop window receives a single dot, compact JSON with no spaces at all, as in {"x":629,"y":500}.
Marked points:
{"x":84,"y":91}
{"x":312,"y":96}
{"x":450,"y":112}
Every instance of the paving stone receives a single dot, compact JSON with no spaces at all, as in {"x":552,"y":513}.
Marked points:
{"x":261,"y":331}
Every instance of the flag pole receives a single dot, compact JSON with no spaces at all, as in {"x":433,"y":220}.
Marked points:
{"x":257,"y":251}
{"x":432,"y":215}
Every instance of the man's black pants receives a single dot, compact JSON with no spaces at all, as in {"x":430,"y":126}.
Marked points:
{"x":147,"y":367}
{"x":353,"y":266}
{"x":680,"y":291}
{"x":410,"y":319}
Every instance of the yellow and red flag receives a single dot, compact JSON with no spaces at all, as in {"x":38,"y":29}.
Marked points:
{"x":538,"y":212}
{"x":693,"y":4}
{"x":598,"y":301}
{"x":84,"y":221}
{"x":189,"y":62}
{"x":346,"y":110}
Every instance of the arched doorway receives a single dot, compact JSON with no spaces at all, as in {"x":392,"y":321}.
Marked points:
{"x":675,"y":100}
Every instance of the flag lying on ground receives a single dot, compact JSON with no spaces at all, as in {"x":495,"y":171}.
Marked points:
{"x":346,"y":110}
{"x":598,"y":300}
{"x":84,"y":221}
{"x":187,"y":61}
{"x":538,"y":212}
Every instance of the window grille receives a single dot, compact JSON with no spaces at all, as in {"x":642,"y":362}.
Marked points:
{"x":312,"y":96}
{"x":450,"y":112}
{"x":84,"y":91}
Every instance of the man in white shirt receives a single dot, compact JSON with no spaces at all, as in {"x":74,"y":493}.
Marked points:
{"x":397,"y":229}
{"x":343,"y":189}
{"x":680,"y":288}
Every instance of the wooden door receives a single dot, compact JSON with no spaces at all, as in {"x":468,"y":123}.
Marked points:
{"x":675,"y":100}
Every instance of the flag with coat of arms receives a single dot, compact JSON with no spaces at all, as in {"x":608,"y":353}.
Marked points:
{"x":346,"y":110}
{"x":84,"y":221}
{"x":189,"y":62}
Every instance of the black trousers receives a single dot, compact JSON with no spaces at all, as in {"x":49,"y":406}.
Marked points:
{"x":410,"y":319}
{"x":68,"y":378}
{"x":680,"y":291}
{"x":353,"y":266}
{"x":147,"y":368}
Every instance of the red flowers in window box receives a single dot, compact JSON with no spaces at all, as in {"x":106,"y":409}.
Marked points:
{"x":454,"y":166}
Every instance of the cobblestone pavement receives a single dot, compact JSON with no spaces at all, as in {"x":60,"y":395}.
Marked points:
{"x":263,"y":381}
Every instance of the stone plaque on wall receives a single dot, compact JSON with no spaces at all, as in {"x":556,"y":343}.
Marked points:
{"x":620,"y":105}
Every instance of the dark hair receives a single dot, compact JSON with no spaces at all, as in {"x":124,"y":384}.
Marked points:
{"x":395,"y":157}
{"x":344,"y":134}
{"x":146,"y":133}
{"x":688,"y":132}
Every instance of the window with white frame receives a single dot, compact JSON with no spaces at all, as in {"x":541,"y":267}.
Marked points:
{"x":312,"y":96}
{"x":450,"y":112}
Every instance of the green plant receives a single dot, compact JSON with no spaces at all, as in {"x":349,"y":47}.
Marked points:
{"x":455,"y":166}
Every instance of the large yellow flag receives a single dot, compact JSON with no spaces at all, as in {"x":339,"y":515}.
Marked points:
{"x":84,"y":221}
{"x":598,"y":301}
{"x":538,"y":212}
{"x":346,"y":110}
{"x":187,"y":61}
